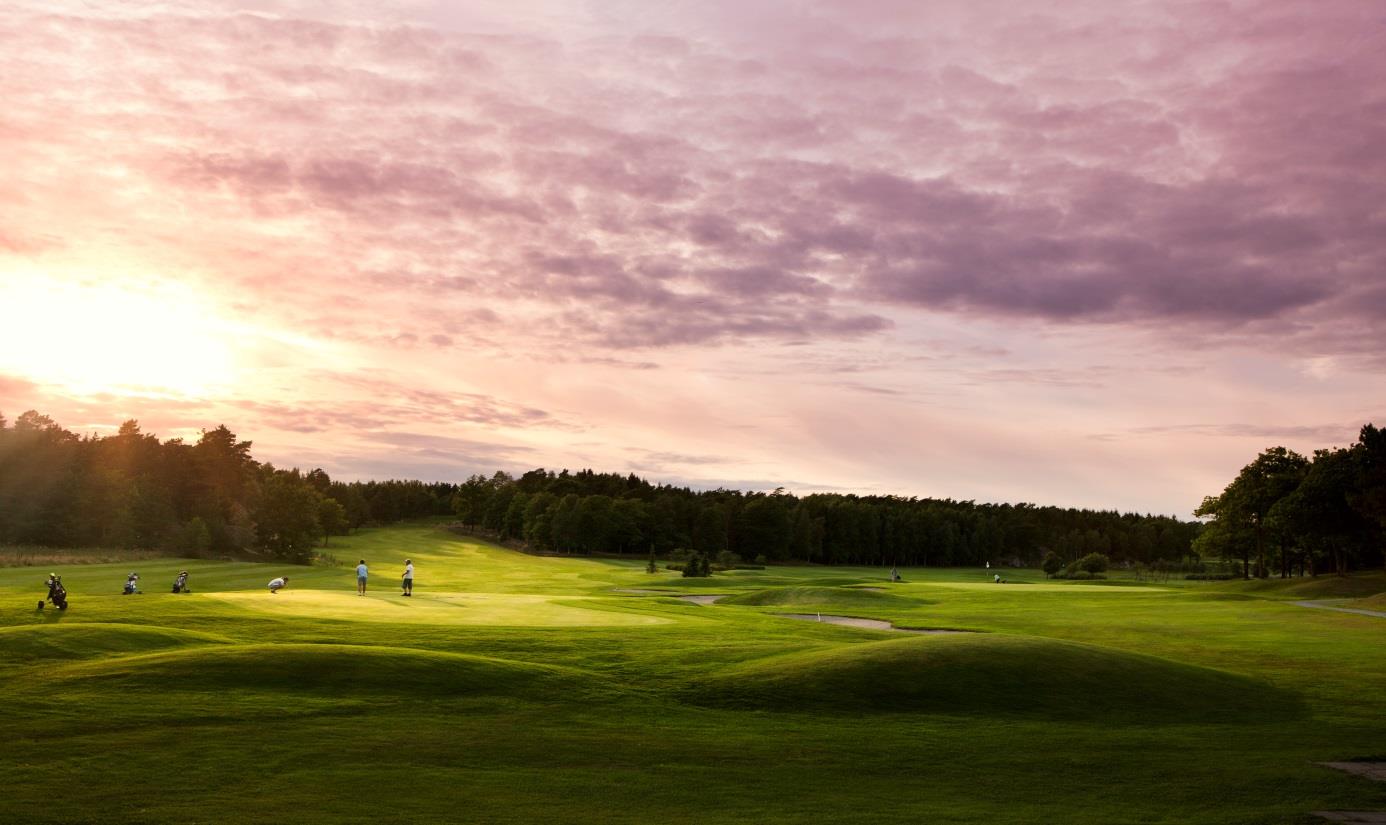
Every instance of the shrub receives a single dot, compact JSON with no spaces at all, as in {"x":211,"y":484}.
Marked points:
{"x":651,"y":567}
{"x":699,"y":565}
{"x":1052,"y":564}
{"x":1094,"y":563}
{"x":727,"y":560}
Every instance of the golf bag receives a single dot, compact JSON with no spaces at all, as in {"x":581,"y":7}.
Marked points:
{"x":180,"y":584}
{"x":57,"y":594}
{"x":131,"y":585}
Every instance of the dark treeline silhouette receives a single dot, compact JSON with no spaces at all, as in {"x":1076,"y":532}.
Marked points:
{"x":589,"y":512}
{"x":211,"y":497}
{"x":59,"y":489}
{"x":1285,"y":511}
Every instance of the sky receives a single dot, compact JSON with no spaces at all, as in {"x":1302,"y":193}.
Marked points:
{"x":1078,"y":253}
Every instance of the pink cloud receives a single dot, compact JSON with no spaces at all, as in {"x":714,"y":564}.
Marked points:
{"x":599,"y":188}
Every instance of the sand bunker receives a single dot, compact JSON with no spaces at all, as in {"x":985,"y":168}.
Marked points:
{"x":695,"y":598}
{"x":702,"y":599}
{"x":868,"y":624}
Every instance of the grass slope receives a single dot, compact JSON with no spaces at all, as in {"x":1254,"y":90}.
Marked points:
{"x":344,"y":670}
{"x":818,"y":595}
{"x":994,"y":675}
{"x":515,"y":688}
{"x":29,"y":644}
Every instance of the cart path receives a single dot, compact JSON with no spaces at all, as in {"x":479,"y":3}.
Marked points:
{"x":1328,"y":605}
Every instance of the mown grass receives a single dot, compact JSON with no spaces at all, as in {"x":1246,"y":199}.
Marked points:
{"x":521,"y":689}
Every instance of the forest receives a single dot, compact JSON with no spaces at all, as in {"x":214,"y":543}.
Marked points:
{"x":211,"y":497}
{"x":1286,"y":513}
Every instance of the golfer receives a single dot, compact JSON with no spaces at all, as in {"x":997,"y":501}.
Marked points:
{"x":407,"y":580}
{"x":278,"y":584}
{"x":361,"y":578}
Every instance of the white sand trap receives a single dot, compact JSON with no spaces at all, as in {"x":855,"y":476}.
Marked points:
{"x":695,"y":598}
{"x":868,"y":624}
{"x":491,"y":609}
{"x":709,"y":598}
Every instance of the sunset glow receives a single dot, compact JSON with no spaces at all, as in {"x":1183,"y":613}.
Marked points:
{"x":85,"y":336}
{"x":1093,"y":257}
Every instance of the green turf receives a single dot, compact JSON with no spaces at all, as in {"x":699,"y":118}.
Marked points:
{"x":514,"y":688}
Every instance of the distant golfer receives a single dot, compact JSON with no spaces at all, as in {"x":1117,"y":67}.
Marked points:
{"x":407,"y":580}
{"x":361,"y":578}
{"x":278,"y":584}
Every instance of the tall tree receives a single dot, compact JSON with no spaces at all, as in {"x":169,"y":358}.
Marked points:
{"x":1274,"y":474}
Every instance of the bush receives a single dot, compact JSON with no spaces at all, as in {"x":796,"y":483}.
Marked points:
{"x":652,"y":567}
{"x":680,"y":554}
{"x":699,"y":565}
{"x":760,"y":559}
{"x":727,"y":560}
{"x":1052,"y":564}
{"x":1094,"y":563}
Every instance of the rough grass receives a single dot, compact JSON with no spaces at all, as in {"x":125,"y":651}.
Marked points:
{"x":36,"y":556}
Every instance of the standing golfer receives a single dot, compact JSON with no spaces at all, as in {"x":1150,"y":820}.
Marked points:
{"x":361,"y":578}
{"x":407,"y":580}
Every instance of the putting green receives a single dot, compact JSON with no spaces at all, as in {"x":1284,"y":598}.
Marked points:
{"x":494,"y":609}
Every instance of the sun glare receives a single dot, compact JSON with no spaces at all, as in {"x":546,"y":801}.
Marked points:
{"x":91,"y":337}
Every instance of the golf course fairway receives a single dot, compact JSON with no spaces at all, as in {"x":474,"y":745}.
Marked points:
{"x":515,"y":688}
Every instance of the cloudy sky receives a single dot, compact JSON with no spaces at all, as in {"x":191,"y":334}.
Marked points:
{"x":1071,"y":252}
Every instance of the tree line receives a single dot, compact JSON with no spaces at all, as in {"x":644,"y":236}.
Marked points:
{"x":212,"y":497}
{"x":588,"y":512}
{"x":1287,"y":511}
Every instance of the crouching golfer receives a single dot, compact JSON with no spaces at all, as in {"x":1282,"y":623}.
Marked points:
{"x":361,"y":578}
{"x":278,"y":584}
{"x":407,"y":580}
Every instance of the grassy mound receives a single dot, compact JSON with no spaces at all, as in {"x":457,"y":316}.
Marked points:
{"x":1377,"y":602}
{"x":993,"y":675}
{"x":825,"y":596}
{"x":338,"y":670}
{"x":28,"y":644}
{"x":1321,"y":587}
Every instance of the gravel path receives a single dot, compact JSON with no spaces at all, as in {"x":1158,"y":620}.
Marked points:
{"x":1324,"y":605}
